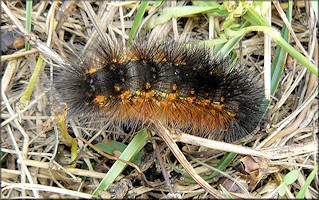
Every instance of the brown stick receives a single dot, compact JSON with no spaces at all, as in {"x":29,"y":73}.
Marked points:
{"x":165,"y":135}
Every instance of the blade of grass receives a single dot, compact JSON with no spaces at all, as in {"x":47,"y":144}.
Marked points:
{"x":111,"y":145}
{"x":228,"y":195}
{"x":302,"y":192}
{"x":59,"y":113}
{"x":230,"y":45}
{"x":179,"y":11}
{"x":287,"y":180}
{"x":158,"y":3}
{"x":281,"y":42}
{"x":138,"y":19}
{"x":222,"y":164}
{"x":254,"y":17}
{"x":213,"y":42}
{"x":117,"y":168}
{"x":28,"y":20}
{"x":277,"y":66}
{"x":34,"y":77}
{"x":25,"y":98}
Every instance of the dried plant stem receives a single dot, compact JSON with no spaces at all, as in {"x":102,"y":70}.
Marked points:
{"x":267,"y":60}
{"x":271,"y":153}
{"x":17,"y":55}
{"x":165,"y":135}
{"x":302,"y":110}
{"x":32,"y":38}
{"x":50,"y":189}
{"x":60,"y":119}
{"x":164,"y":171}
{"x":75,"y":171}
{"x":284,"y":18}
{"x":23,"y":165}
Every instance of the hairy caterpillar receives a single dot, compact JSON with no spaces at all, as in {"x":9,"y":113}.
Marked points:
{"x":184,"y":86}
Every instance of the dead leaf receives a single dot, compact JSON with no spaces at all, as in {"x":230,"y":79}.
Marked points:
{"x":11,"y":41}
{"x":231,"y":186}
{"x":255,"y":169}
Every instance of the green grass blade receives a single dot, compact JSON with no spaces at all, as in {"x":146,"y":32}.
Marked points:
{"x":222,"y":164}
{"x":254,"y":17}
{"x":27,"y":93}
{"x":213,"y":42}
{"x":281,"y":42}
{"x":28,"y":20}
{"x":296,"y":54}
{"x":302,"y":192}
{"x":111,"y":145}
{"x":277,"y":65}
{"x":158,"y":3}
{"x":288,"y":179}
{"x":138,"y":19}
{"x":117,"y":168}
{"x":228,"y":195}
{"x":230,"y":45}
{"x":175,"y":12}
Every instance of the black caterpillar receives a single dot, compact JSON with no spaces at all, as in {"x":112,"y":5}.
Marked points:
{"x":184,"y":86}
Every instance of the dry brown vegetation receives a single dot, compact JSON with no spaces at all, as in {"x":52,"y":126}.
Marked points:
{"x":33,"y":153}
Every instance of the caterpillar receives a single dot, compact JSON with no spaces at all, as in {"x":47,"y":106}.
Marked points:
{"x":182,"y":85}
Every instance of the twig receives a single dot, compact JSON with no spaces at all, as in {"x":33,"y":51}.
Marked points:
{"x":32,"y":38}
{"x":301,"y":111}
{"x":267,"y":60}
{"x":17,"y":55}
{"x":37,"y":187}
{"x":15,"y":115}
{"x":164,"y":172}
{"x":165,"y":135}
{"x":272,"y":153}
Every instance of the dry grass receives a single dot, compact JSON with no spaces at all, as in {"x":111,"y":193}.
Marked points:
{"x":32,"y":150}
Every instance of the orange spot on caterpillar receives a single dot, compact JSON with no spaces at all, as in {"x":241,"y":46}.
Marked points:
{"x":142,"y":96}
{"x":172,"y":97}
{"x":218,"y":107}
{"x":192,"y":91}
{"x":99,"y":99}
{"x":90,"y":71}
{"x":174,"y":87}
{"x":147,"y":85}
{"x":231,"y":114}
{"x":125,"y":95}
{"x":128,"y":56}
{"x":148,"y":95}
{"x":117,"y":88}
{"x":190,"y":100}
{"x":204,"y":102}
